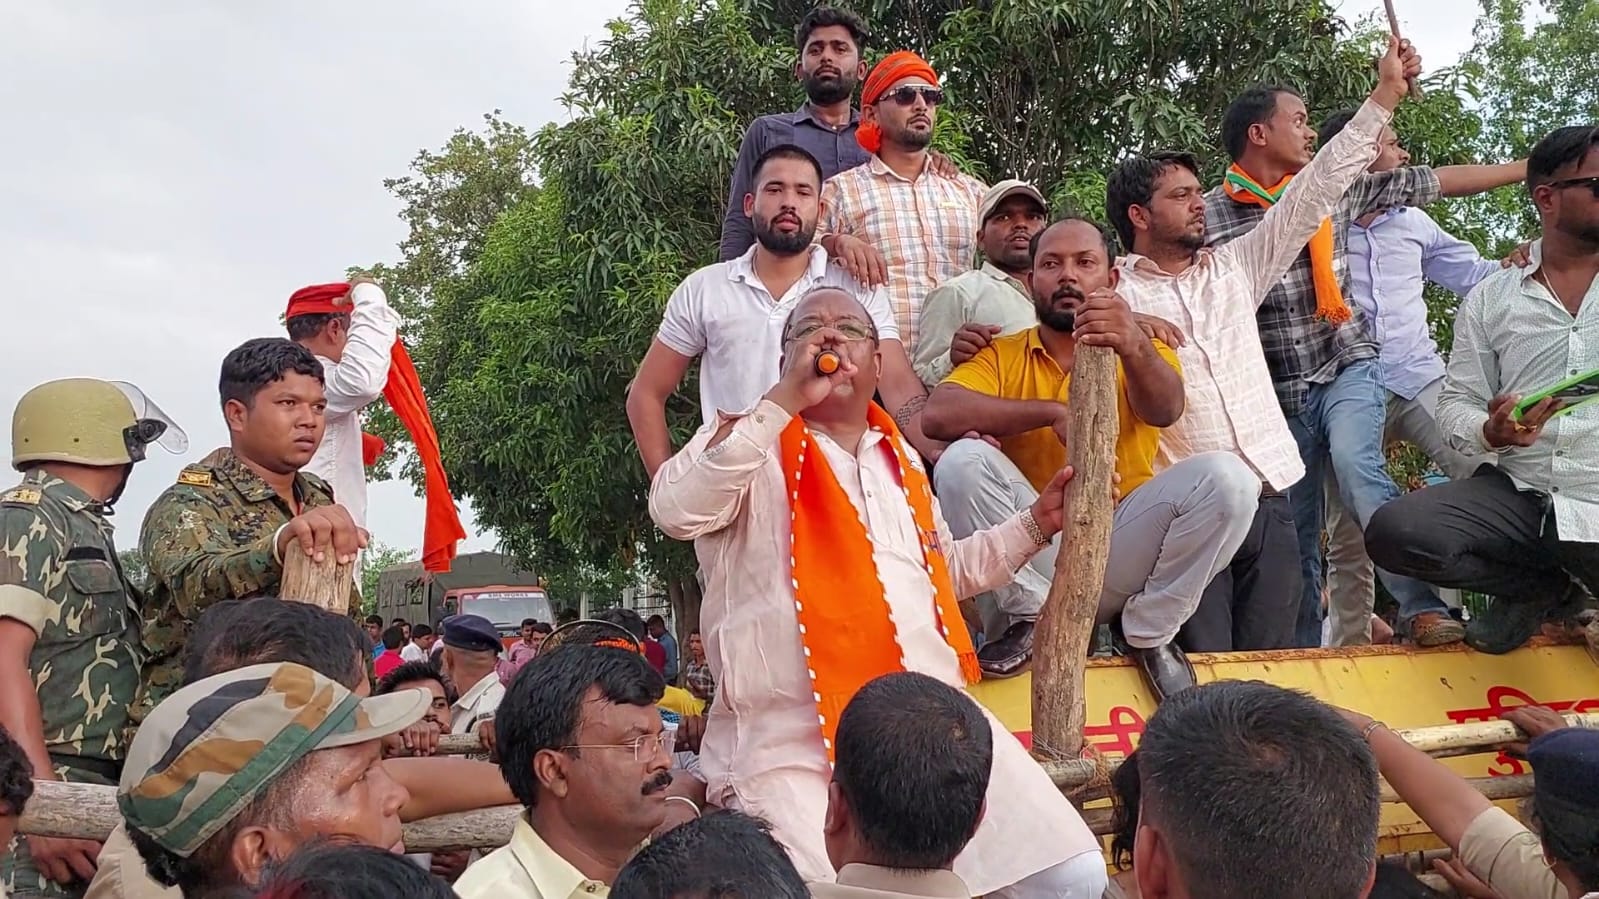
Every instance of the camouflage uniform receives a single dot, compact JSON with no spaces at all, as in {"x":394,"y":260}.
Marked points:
{"x":60,"y":576}
{"x":210,"y":537}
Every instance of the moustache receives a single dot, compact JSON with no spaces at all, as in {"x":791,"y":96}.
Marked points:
{"x":657,"y":783}
{"x":1063,"y":292}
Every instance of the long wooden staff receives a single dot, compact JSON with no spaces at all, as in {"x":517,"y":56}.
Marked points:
{"x":1393,"y":27}
{"x":1066,"y":622}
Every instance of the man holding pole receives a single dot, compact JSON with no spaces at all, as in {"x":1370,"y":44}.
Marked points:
{"x":1321,"y":355}
{"x":221,"y":531}
{"x":1172,"y":532}
{"x":827,"y":564}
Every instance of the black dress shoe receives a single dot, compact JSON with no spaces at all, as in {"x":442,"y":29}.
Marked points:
{"x":1008,"y":656}
{"x":1166,"y":669}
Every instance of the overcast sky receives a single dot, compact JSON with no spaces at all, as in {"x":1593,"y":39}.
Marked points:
{"x":171,"y":172}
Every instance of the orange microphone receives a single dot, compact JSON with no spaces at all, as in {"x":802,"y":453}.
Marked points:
{"x":827,"y":362}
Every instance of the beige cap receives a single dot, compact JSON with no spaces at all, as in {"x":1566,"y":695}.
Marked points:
{"x":1007,"y":188}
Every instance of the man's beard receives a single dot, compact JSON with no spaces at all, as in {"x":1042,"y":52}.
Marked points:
{"x":1061,"y":320}
{"x":1191,"y":241}
{"x":907,"y":139}
{"x":784,"y":244}
{"x":825,"y":90}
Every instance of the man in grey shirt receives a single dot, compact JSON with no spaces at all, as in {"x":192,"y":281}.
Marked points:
{"x":830,"y":43}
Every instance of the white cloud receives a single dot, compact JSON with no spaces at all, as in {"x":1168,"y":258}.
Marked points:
{"x":174,"y":171}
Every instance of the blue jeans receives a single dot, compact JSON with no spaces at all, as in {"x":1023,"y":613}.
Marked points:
{"x":1342,"y":424}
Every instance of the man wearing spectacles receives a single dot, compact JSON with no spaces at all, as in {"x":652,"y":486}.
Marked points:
{"x":730,"y":315}
{"x":828,"y":564}
{"x":897,"y":220}
{"x":1526,"y":531}
{"x":583,"y":749}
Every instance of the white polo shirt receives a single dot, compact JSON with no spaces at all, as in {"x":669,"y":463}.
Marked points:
{"x":726,"y":316}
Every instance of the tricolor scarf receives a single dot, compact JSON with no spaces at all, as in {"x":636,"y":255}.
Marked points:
{"x":442,"y":523}
{"x":845,"y":626}
{"x":1330,"y":305}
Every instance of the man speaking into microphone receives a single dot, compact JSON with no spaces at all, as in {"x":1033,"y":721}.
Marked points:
{"x":827,"y":563}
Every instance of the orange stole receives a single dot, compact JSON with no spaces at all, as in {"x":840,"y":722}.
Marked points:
{"x":1330,"y":305}
{"x":847,"y":633}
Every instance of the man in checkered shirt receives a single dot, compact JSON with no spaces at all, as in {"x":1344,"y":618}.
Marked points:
{"x":1324,"y":366}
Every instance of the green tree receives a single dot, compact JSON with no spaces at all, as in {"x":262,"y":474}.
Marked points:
{"x":530,"y":349}
{"x":379,"y":557}
{"x":450,"y":200}
{"x":133,"y":565}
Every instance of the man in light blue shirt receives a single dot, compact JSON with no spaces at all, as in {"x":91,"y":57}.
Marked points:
{"x":1392,"y":254}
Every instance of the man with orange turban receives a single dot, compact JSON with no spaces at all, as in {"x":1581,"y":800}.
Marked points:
{"x":897,"y":220}
{"x":354,"y":333}
{"x":352,"y":342}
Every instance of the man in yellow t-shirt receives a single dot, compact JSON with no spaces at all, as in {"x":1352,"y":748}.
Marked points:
{"x":1172,"y":532}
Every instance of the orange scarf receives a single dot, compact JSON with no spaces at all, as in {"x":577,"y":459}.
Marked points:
{"x":441,"y":528}
{"x":845,"y":626}
{"x":1330,"y":305}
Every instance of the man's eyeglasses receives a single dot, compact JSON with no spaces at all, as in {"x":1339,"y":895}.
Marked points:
{"x":1591,"y":182}
{"x":906,"y":95}
{"x":644,"y":747}
{"x":848,"y":328}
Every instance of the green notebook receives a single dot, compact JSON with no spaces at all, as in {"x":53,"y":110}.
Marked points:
{"x":1575,"y":391}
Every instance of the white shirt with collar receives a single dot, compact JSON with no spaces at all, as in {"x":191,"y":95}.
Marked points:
{"x":1513,"y":336}
{"x":726,"y":316}
{"x":476,"y":704}
{"x":353,"y":383}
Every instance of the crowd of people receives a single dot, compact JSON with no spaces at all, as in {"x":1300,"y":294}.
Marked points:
{"x":876,"y":500}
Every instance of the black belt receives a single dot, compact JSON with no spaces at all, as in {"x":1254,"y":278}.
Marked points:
{"x":106,"y":768}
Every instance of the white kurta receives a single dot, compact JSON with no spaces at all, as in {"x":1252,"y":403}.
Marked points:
{"x":352,"y":384}
{"x":762,"y":751}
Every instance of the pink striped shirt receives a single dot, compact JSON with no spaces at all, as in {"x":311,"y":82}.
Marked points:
{"x":926,"y":229}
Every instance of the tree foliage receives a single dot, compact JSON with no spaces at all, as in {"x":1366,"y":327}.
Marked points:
{"x":529,"y":308}
{"x":378,"y":558}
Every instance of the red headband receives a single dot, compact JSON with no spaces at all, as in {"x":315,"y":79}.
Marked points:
{"x":318,"y":300}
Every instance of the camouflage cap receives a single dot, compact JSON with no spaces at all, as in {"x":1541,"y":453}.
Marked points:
{"x":210,"y":748}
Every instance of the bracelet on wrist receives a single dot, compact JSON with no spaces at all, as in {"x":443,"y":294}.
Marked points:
{"x":1034,"y":530}
{"x":1371,"y":727}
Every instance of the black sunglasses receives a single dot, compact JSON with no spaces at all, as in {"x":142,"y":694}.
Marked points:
{"x":906,"y":95}
{"x":1591,"y":182}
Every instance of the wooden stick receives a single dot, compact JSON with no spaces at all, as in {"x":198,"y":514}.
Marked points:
{"x":1393,"y":27}
{"x":1442,"y":741}
{"x":1066,"y":622}
{"x":326,"y":584}
{"x":89,"y":812}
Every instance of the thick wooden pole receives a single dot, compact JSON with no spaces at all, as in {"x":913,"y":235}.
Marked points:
{"x":89,"y":812}
{"x":326,"y":584}
{"x":1066,"y":623}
